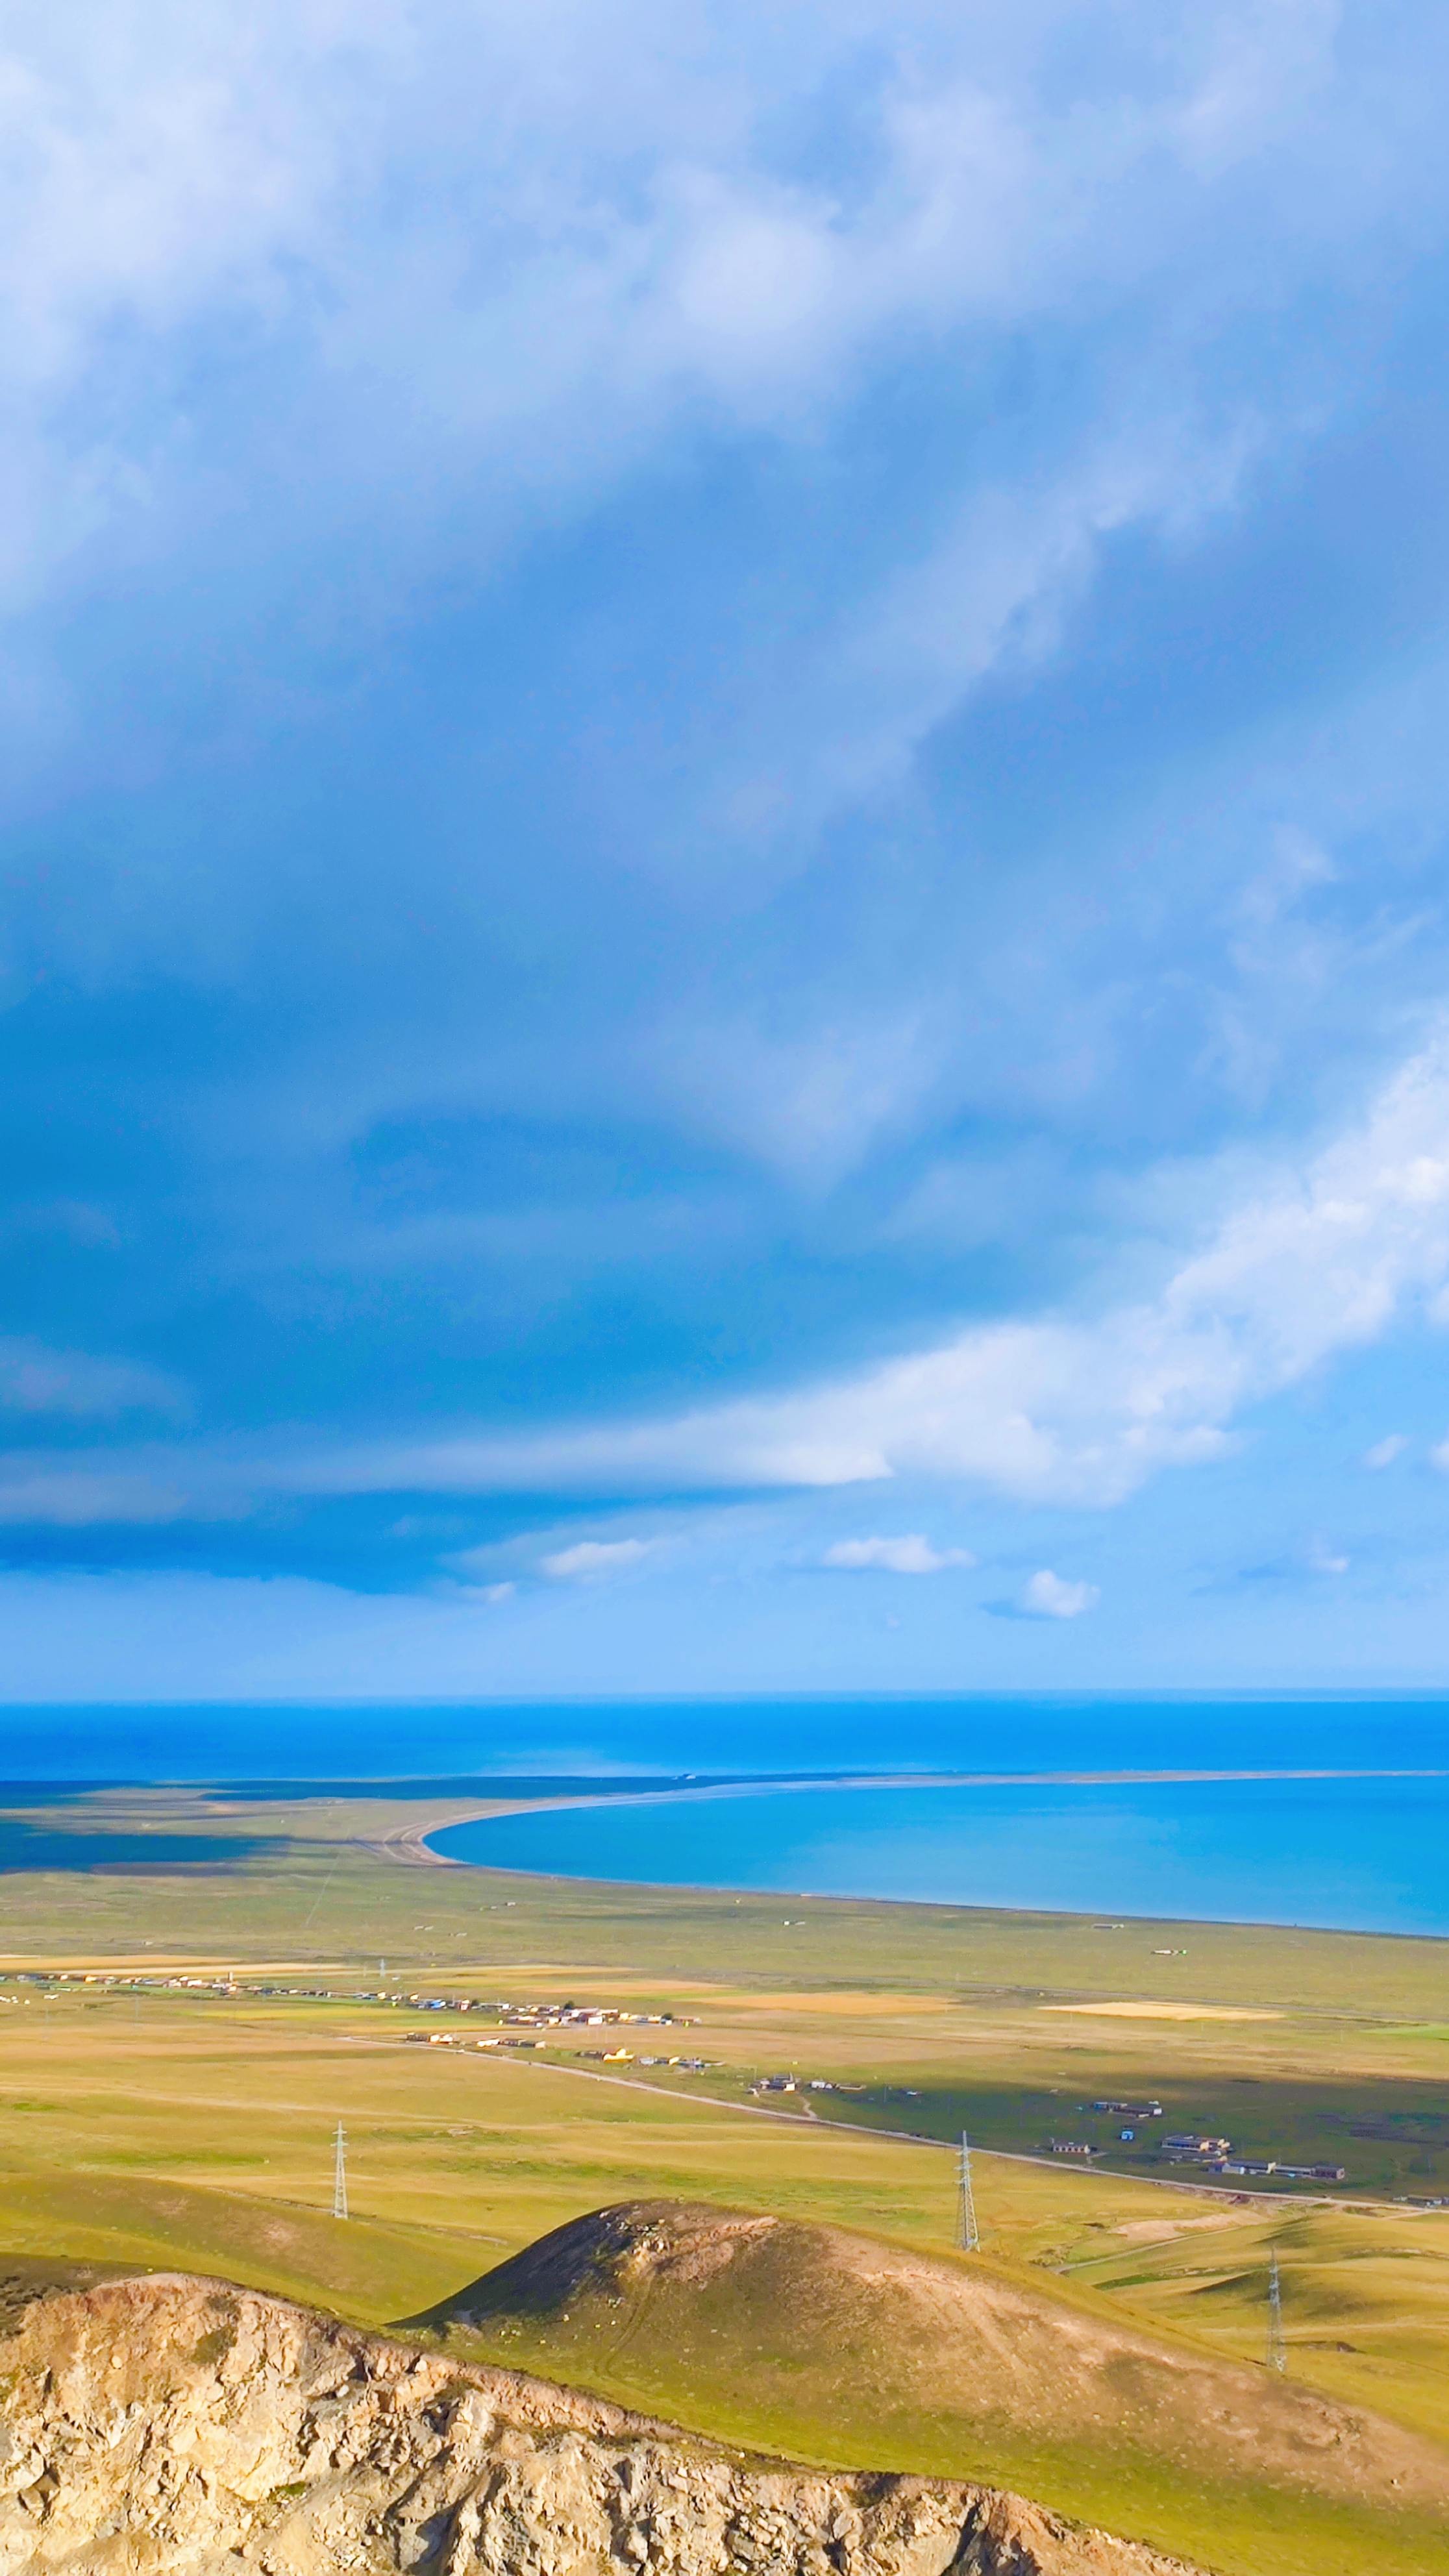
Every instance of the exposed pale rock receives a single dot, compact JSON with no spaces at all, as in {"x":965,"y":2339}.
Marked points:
{"x":168,"y":2424}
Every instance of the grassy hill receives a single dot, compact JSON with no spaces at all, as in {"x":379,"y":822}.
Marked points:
{"x":847,"y":2349}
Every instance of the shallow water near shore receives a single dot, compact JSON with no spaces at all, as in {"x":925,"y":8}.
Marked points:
{"x":1348,"y":1854}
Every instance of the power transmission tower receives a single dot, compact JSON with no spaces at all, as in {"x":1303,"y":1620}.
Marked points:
{"x":968,"y":2234}
{"x":1277,"y":2354}
{"x":339,"y":2175}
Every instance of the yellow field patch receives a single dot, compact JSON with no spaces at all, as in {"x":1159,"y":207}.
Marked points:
{"x":1162,"y":2231}
{"x":169,"y":1963}
{"x":1164,"y":2012}
{"x":878,"y":2007}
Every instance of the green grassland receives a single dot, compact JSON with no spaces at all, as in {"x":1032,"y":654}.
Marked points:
{"x":314,"y":1890}
{"x":193,"y":2129}
{"x":808,"y":2339}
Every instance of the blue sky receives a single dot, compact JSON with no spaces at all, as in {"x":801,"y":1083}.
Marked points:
{"x":723,"y":825}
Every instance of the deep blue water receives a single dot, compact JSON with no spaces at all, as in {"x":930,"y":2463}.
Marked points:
{"x":265,"y":1742}
{"x":1366,"y":1855}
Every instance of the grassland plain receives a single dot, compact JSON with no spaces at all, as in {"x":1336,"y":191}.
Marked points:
{"x":194,"y":2128}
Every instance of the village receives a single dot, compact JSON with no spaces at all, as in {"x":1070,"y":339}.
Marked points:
{"x":537,"y":2025}
{"x":1206,"y":2153}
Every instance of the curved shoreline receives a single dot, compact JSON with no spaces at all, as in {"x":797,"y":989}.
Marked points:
{"x":413,"y":1843}
{"x":410,"y":1842}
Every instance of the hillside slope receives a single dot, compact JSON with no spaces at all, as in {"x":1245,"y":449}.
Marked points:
{"x":848,"y":2349}
{"x":190,"y":2428}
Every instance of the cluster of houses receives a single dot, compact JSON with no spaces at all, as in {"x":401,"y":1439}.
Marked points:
{"x":819,"y":2084}
{"x":1214,"y":2155}
{"x":794,"y":2084}
{"x":513,"y":2019}
{"x":571,"y":2016}
{"x":1192,"y":2147}
{"x":545,"y":2017}
{"x":1207,"y":2154}
{"x":516,"y":2020}
{"x":626,"y":2057}
{"x":535,"y":2025}
{"x":498,"y":2039}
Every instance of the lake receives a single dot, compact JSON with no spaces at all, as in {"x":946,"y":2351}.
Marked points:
{"x":1345,"y":1854}
{"x":1355,"y":1853}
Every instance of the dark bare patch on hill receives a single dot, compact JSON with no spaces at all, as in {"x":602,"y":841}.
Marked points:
{"x":25,"y":2278}
{"x":848,"y":2348}
{"x":616,"y":2253}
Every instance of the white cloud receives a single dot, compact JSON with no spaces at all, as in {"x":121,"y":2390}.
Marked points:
{"x":1384,"y":1452}
{"x":912,"y":1554}
{"x":592,"y":1557}
{"x":1061,"y":1409}
{"x":1050,"y":1596}
{"x":461,"y":263}
{"x":499,"y":235}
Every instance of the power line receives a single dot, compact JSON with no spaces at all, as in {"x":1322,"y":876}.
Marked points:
{"x":968,"y":2234}
{"x":1277,"y":2353}
{"x":321,"y":1892}
{"x":339,"y":2175}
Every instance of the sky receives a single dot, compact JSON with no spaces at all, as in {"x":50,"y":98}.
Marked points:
{"x":723,"y":792}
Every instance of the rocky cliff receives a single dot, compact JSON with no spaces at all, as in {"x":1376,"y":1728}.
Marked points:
{"x":164,"y":2423}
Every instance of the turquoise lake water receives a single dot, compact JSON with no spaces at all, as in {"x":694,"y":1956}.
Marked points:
{"x":1356,"y":1854}
{"x":1370,"y":1854}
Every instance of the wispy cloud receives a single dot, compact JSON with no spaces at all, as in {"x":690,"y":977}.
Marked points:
{"x":86,"y":1498}
{"x":912,"y":1554}
{"x":36,"y":1380}
{"x":1307,"y":1266}
{"x":482,"y":1596}
{"x":1324,"y":1558}
{"x":1385,"y":1451}
{"x":591,"y":1558}
{"x":604,"y":238}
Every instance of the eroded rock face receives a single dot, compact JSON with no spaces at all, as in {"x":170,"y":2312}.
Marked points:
{"x":169,"y":2424}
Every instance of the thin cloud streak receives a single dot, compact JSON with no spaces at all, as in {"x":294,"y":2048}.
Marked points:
{"x":36,"y":1380}
{"x":66,"y":1498}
